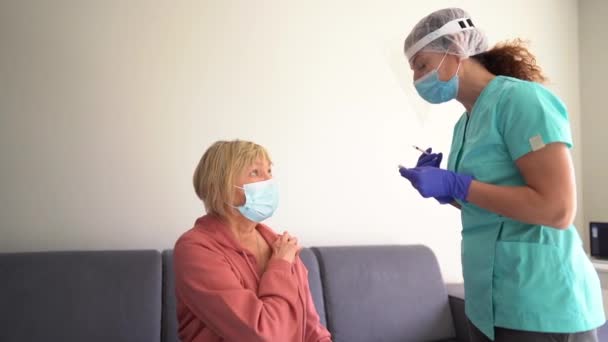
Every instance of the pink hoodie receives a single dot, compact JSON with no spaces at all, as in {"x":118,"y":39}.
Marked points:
{"x":221,"y":296}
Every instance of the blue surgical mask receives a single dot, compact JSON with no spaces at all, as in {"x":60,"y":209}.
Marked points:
{"x":434,"y":90}
{"x":261,"y":200}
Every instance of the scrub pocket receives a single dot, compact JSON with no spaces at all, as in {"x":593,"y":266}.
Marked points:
{"x":530,"y":281}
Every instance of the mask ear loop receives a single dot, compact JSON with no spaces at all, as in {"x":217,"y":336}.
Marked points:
{"x":457,"y":69}
{"x":440,"y":63}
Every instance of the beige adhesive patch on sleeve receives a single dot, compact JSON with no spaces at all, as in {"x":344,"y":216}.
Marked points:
{"x":536,"y":142}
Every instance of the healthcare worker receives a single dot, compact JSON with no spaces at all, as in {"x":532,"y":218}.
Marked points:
{"x":510,"y":172}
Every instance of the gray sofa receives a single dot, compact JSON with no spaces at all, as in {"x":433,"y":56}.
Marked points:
{"x":362,"y":293}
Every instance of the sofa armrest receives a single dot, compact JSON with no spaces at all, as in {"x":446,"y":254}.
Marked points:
{"x":456,"y":298}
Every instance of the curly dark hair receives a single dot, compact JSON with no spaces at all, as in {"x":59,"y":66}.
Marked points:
{"x":512,"y":58}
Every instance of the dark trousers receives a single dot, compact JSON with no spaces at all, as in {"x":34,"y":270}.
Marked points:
{"x":509,"y":335}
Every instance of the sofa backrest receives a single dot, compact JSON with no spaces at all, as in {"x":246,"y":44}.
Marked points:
{"x":80,"y":296}
{"x":384,"y":293}
{"x":314,"y":281}
{"x":374,"y":293}
{"x":169,"y":321}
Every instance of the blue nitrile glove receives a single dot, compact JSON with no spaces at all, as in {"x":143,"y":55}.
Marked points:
{"x":433,"y":160}
{"x":436,"y":182}
{"x":430,"y":159}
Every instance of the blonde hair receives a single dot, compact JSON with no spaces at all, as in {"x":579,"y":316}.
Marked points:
{"x":216,"y":171}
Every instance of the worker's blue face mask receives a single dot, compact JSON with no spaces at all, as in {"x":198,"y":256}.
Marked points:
{"x":261,"y":200}
{"x":434,"y":90}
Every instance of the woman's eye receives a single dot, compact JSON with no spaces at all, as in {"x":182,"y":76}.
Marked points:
{"x":253,"y":173}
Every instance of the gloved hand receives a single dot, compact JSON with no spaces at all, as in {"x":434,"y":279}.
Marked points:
{"x":433,"y":160}
{"x":436,"y":182}
{"x":430,"y":159}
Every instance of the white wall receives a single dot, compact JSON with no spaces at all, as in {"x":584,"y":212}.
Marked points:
{"x":594,"y":73}
{"x":107,"y":106}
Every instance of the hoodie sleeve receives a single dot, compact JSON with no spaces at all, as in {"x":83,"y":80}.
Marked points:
{"x":206,"y":283}
{"x":315,"y":331}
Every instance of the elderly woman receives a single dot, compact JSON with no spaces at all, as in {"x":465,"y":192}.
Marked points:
{"x":235,"y":278}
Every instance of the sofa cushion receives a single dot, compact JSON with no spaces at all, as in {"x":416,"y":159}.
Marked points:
{"x":384,"y":293}
{"x":80,"y":296}
{"x":314,"y":280}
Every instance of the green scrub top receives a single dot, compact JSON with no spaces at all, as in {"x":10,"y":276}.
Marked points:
{"x":518,"y":275}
